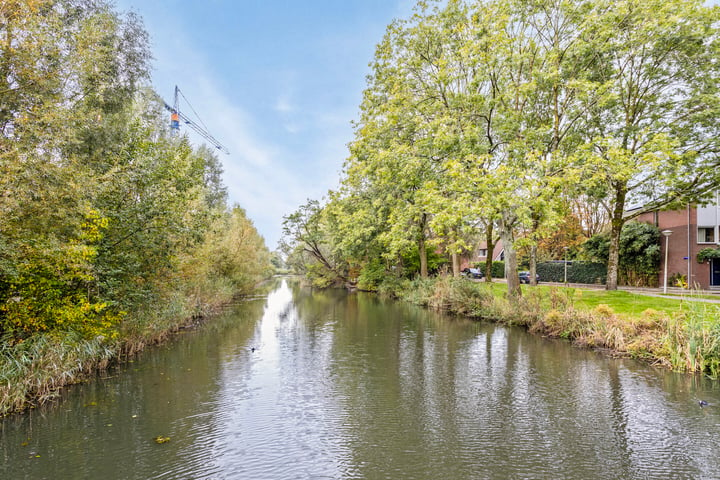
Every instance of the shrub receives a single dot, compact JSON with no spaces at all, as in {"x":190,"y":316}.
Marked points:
{"x":678,"y":280}
{"x":498,"y":269}
{"x":639,"y":253}
{"x":604,"y":310}
{"x":372,"y":275}
{"x":708,"y":254}
{"x":577,"y":272}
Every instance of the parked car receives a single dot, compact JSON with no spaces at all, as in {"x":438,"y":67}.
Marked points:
{"x":525,"y":277}
{"x":472,"y":273}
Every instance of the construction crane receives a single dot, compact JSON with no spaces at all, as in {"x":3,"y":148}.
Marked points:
{"x":176,"y":115}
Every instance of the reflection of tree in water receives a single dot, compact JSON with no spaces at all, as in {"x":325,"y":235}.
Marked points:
{"x":358,"y":386}
{"x":173,"y":390}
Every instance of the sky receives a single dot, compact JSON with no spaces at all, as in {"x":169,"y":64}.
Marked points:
{"x":277,"y":82}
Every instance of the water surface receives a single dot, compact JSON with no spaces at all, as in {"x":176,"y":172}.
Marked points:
{"x":350,"y":386}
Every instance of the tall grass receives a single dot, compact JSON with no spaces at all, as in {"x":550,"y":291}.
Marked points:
{"x":686,"y":338}
{"x":33,"y":371}
{"x":693,"y":339}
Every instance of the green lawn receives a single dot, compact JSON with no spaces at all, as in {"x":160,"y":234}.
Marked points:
{"x":622,"y":302}
{"x":625,"y":303}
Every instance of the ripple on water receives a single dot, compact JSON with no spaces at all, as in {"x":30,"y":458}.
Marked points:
{"x":351,"y":387}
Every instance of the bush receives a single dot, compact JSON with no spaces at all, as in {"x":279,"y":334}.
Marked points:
{"x":372,"y":275}
{"x":577,"y":272}
{"x":639,"y":253}
{"x":498,"y":268}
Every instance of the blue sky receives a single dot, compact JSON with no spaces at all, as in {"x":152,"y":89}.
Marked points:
{"x":277,"y":82}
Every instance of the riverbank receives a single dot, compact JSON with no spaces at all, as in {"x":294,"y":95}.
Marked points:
{"x":679,"y":334}
{"x":34,"y":371}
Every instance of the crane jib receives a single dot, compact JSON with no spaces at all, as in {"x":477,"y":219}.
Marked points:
{"x":176,"y":115}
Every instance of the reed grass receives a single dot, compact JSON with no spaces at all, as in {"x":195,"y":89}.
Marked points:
{"x":34,"y":371}
{"x":679,"y":334}
{"x":693,"y":339}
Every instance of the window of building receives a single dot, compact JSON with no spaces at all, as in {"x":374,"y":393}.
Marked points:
{"x":706,"y":235}
{"x":482,"y":252}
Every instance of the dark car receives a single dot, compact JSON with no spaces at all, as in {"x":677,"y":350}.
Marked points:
{"x":472,"y":273}
{"x":525,"y":277}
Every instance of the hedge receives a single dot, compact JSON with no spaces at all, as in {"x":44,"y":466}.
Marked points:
{"x":577,"y":272}
{"x":498,"y":268}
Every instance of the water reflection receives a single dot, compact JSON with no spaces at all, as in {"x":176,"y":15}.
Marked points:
{"x":352,"y":386}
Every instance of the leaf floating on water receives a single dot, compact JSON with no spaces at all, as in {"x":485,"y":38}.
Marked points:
{"x":161,"y":439}
{"x":91,"y":404}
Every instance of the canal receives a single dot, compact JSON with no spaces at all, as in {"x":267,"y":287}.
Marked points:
{"x":313,"y":385}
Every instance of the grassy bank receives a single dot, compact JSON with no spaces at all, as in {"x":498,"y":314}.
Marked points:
{"x":34,"y":371}
{"x":676,"y":333}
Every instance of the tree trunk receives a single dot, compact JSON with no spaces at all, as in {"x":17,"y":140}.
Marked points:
{"x":511,"y":272}
{"x":490,"y":252}
{"x":616,"y":224}
{"x":422,"y":248}
{"x":422,"y":251}
{"x":456,"y":264}
{"x":456,"y":252}
{"x":533,"y":265}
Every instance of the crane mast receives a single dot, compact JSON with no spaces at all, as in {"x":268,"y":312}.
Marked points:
{"x":176,"y":116}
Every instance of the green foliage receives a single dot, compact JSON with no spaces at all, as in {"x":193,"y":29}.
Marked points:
{"x":639,"y":253}
{"x":597,"y":248}
{"x":492,"y":113}
{"x":498,"y":268}
{"x":577,"y":272}
{"x":102,"y":213}
{"x":231,"y":258}
{"x":411,"y":262}
{"x":372,"y":275}
{"x":640,"y":248}
{"x":112,"y":233}
{"x":645,"y":142}
{"x":708,"y":254}
{"x":308,"y":242}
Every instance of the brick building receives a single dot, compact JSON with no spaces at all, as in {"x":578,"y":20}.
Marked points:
{"x":480,"y":255}
{"x":693,"y":229}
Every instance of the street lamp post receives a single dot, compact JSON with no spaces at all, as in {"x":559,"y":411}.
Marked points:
{"x":566,"y":250}
{"x":667,"y":234}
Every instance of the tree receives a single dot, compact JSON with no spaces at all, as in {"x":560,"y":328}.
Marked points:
{"x":651,"y":132}
{"x":305,"y":234}
{"x":404,"y":135}
{"x":525,"y":56}
{"x":639,"y":252}
{"x":50,"y":229}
